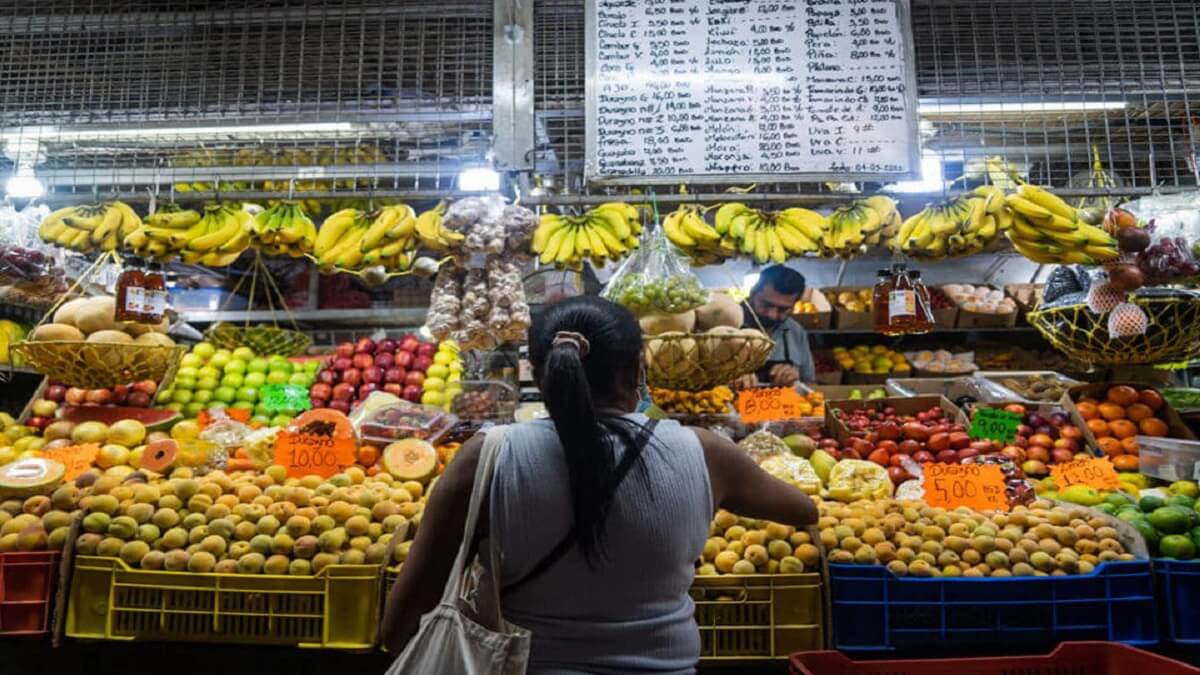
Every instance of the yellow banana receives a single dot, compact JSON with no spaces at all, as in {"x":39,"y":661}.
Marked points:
{"x":1047,"y":200}
{"x":130,"y":220}
{"x":615,"y":220}
{"x":726,"y":214}
{"x":809,"y":223}
{"x":695,"y":227}
{"x":111,"y":222}
{"x":674,"y":231}
{"x":379,"y":228}
{"x":407,"y":223}
{"x":610,"y":241}
{"x":567,"y":251}
{"x":554,"y":243}
{"x":597,"y":244}
{"x":1030,"y":210}
{"x":777,"y":249}
{"x":226,"y":227}
{"x":333,"y":229}
{"x":548,"y":224}
{"x":792,"y":239}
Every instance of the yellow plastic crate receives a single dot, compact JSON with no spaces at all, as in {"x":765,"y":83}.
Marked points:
{"x":335,"y":609}
{"x":752,"y":617}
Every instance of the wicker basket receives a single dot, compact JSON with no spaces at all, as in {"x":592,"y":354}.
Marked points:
{"x":99,"y":364}
{"x":1173,"y":333}
{"x":700,"y":361}
{"x":262,"y":339}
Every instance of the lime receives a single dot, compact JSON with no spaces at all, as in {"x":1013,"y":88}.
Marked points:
{"x":1194,"y":535}
{"x":257,"y":366}
{"x":181,"y":396}
{"x":1117,"y":498}
{"x":192,"y":360}
{"x":206,"y":384}
{"x":254,"y":380}
{"x":225,"y":394}
{"x":1169,"y":520}
{"x":1150,"y":503}
{"x":1128,"y":515}
{"x":1177,"y":546}
{"x":1106,"y":508}
{"x":204,"y":350}
{"x":277,"y":377}
{"x":244,"y":354}
{"x":235,"y":366}
{"x":232,"y":380}
{"x":1148,"y":532}
{"x":247,"y":395}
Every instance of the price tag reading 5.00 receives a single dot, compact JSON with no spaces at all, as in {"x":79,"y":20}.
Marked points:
{"x":305,"y":454}
{"x":976,"y":486}
{"x":768,"y":404}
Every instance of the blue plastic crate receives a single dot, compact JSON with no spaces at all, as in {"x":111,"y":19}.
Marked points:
{"x":874,"y":610}
{"x":1179,"y":597}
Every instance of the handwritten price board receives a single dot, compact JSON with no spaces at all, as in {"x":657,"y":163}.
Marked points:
{"x":303,"y":454}
{"x":77,"y":458}
{"x":768,"y":404}
{"x":1095,"y":472}
{"x":994,"y":424}
{"x":280,"y":397}
{"x":975,"y":486}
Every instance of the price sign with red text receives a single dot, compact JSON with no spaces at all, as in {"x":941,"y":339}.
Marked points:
{"x":975,"y":486}
{"x":1096,"y":472}
{"x":768,"y":404}
{"x":307,"y":453}
{"x":76,"y":458}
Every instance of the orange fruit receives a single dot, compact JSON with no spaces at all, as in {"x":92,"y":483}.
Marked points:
{"x":1110,"y":446}
{"x":1087,"y":410}
{"x":1138,"y":412}
{"x":1099,"y":428}
{"x":1130,"y":445}
{"x":1112,"y":411}
{"x":1153,"y":426}
{"x":1151,"y":398}
{"x":1125,"y":463}
{"x":1122,"y":395}
{"x":1123,"y":428}
{"x":1089,"y":399}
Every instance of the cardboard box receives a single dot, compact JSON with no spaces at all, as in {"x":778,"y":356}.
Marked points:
{"x":822,"y":319}
{"x":903,"y":406}
{"x":944,"y":318}
{"x":841,"y":392}
{"x":1176,"y":428}
{"x":970,"y":319}
{"x":844,"y":319}
{"x":1027,"y":296}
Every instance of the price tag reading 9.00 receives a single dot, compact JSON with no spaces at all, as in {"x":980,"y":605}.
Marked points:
{"x":768,"y":404}
{"x":306,"y":454}
{"x":976,"y":486}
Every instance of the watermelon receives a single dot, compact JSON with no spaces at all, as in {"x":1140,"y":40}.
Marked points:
{"x":151,"y":418}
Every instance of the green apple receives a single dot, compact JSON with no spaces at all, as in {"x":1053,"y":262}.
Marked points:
{"x":225,"y":394}
{"x":184,"y":383}
{"x":257,"y":366}
{"x":177,"y":407}
{"x":192,"y":360}
{"x":281,"y":420}
{"x":244,"y":354}
{"x":181,"y":396}
{"x":254,"y":380}
{"x":243,"y":405}
{"x":188,"y":373}
{"x":208,"y":371}
{"x":234,"y":380}
{"x":261,"y":409}
{"x":247,"y":394}
{"x":192,"y":409}
{"x":235,"y":366}
{"x":277,"y":377}
{"x":312,"y":365}
{"x":301,"y":379}
{"x":204,"y":350}
{"x":283,"y":366}
{"x":219,"y":360}
{"x":202,"y":396}
{"x":261,"y":419}
{"x":206,"y":384}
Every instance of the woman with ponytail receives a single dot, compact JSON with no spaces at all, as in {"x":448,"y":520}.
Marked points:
{"x":599,"y":514}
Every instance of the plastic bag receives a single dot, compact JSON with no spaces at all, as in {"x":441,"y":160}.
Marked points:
{"x":853,"y":479}
{"x":655,"y":279}
{"x":1174,"y":224}
{"x":28,"y":265}
{"x":795,"y":471}
{"x":763,"y":444}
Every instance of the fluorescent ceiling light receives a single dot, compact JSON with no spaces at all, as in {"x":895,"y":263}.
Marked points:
{"x":36,"y":133}
{"x":932,"y":177}
{"x":478,"y":179}
{"x":24,"y":187}
{"x":1029,"y":107}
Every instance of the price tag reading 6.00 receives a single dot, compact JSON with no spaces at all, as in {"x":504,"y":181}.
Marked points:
{"x":976,"y":486}
{"x":768,"y":404}
{"x":305,"y":454}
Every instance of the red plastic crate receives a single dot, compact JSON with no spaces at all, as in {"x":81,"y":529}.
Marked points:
{"x":27,"y":581}
{"x":1069,"y":658}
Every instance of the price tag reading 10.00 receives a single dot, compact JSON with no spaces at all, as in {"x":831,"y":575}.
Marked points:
{"x":976,"y":486}
{"x":303,"y":454}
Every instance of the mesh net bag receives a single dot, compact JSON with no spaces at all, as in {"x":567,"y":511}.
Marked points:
{"x":1172,"y":333}
{"x":695,"y":362}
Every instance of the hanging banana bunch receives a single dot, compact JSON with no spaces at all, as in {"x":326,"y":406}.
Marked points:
{"x":352,"y":240}
{"x":860,"y":224}
{"x":604,"y":233}
{"x":218,"y":238}
{"x":160,"y":235}
{"x":87,"y":228}
{"x":283,"y":229}
{"x":963,"y":225}
{"x":1048,"y":230}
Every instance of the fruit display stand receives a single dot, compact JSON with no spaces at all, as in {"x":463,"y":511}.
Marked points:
{"x":337,"y":608}
{"x":1093,"y":658}
{"x":875,"y":610}
{"x":28,"y":581}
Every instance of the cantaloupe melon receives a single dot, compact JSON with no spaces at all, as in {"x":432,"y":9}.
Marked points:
{"x":138,"y":329}
{"x":66,"y":312}
{"x":154,"y":339}
{"x":97,"y":314}
{"x":655,"y":323}
{"x":113,"y":336}
{"x":720,"y":310}
{"x":410,"y":459}
{"x":30,"y":476}
{"x":55,"y":331}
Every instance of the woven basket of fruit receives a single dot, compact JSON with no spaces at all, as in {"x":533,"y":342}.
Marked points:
{"x":262,"y":339}
{"x":700,"y":361}
{"x":94,"y":365}
{"x":1170,"y":319}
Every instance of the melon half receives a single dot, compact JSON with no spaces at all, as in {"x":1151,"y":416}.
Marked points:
{"x":410,"y":459}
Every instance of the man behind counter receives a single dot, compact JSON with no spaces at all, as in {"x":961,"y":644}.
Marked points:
{"x":772,"y":299}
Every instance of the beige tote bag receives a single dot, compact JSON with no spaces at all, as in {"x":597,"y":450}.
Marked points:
{"x":466,"y":634}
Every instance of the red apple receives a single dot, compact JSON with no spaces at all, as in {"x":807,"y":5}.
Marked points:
{"x":340,"y":406}
{"x":1083,"y":455}
{"x":394,"y":388}
{"x":38,"y":422}
{"x":384,"y":360}
{"x":75,"y":396}
{"x":404,"y":360}
{"x":319,"y":402}
{"x":414,"y":378}
{"x":1017,"y":455}
{"x":922,"y":457}
{"x":427,"y":349}
{"x":394,"y":375}
{"x":888,"y":431}
{"x":409,"y":344}
{"x":138,"y":399}
{"x":363,"y":360}
{"x":353,"y":376}
{"x":147,"y":386}
{"x":385,"y":345}
{"x":55,"y":392}
{"x":327,"y":376}
{"x":1034,"y":467}
{"x":947,"y":457}
{"x":366,"y":389}
{"x":365,"y":346}
{"x":1069,"y":444}
{"x":345,"y":350}
{"x":968,"y":452}
{"x":1037,"y":453}
{"x":1061,"y":456}
{"x":412,"y":393}
{"x":343,"y":391}
{"x":320,"y":390}
{"x":898,"y":475}
{"x":342,"y":363}
{"x":372,"y":374}
{"x":120,"y":394}
{"x":909,"y":447}
{"x":422,"y":363}
{"x":98,"y":396}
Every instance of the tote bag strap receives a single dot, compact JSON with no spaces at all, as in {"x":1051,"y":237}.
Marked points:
{"x":480,"y":489}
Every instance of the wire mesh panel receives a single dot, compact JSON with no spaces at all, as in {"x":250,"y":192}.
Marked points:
{"x":1087,"y":94}
{"x":343,"y":96}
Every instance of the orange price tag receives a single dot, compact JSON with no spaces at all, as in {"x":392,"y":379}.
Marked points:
{"x":206,"y":417}
{"x":305,"y":453}
{"x":975,"y":486}
{"x":77,"y":458}
{"x":768,"y":404}
{"x":1096,"y":472}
